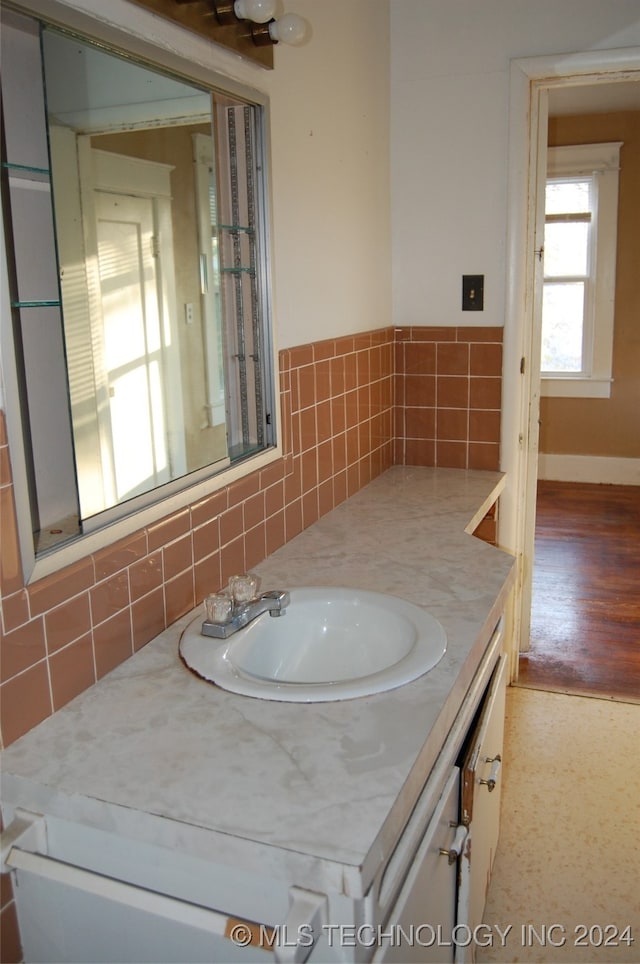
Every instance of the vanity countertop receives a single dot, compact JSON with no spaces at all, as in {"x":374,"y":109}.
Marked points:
{"x":314,"y":791}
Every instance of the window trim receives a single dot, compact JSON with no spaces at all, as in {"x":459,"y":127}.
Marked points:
{"x":603,"y":160}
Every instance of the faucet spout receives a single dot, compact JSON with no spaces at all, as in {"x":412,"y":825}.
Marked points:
{"x":275,"y":602}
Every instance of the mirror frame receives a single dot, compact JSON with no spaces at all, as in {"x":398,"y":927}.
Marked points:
{"x":176,"y":495}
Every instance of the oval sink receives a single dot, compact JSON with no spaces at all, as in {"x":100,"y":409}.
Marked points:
{"x":329,"y":644}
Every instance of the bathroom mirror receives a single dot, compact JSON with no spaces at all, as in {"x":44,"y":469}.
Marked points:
{"x":134,"y":208}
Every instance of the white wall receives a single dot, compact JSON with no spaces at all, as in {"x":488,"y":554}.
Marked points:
{"x":449,"y":135}
{"x":330,"y":124}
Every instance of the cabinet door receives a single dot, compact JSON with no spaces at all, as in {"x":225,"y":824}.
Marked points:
{"x":423,"y":917}
{"x":481,"y":783}
{"x":67,"y":914}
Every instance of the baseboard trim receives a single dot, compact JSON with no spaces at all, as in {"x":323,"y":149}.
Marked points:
{"x":588,"y":468}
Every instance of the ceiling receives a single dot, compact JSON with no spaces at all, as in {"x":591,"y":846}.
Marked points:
{"x":602,"y":98}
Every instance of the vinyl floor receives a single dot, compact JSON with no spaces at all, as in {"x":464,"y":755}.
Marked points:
{"x":566,"y":879}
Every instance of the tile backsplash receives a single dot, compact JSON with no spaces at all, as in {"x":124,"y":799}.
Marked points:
{"x":351,"y":407}
{"x":448,"y":397}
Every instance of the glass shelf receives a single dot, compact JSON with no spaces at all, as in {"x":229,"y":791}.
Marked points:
{"x":27,"y":173}
{"x":237,"y":270}
{"x":36,"y":304}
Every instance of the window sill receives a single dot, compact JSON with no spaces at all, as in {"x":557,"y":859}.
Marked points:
{"x":575,"y":387}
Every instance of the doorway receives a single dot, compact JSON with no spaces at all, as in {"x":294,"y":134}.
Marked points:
{"x":532,"y":80}
{"x":115,"y":248}
{"x":584,"y":624}
{"x":134,"y":426}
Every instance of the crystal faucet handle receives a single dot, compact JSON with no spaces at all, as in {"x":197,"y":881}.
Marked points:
{"x":218,"y":607}
{"x":244,"y":588}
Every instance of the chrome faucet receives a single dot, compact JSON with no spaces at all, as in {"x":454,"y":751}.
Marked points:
{"x":273,"y":602}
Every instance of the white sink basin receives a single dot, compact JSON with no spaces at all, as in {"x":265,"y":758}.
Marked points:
{"x":330,"y":644}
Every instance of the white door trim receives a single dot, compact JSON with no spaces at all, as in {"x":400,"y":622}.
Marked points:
{"x":530,"y":81}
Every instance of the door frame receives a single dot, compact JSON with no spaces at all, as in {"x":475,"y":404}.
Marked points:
{"x":530,"y":82}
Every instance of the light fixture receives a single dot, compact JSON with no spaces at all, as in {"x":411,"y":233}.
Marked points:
{"x":289,"y":29}
{"x":230,"y":11}
{"x":259,"y":11}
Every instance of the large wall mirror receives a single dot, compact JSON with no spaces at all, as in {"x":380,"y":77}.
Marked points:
{"x":134,"y":205}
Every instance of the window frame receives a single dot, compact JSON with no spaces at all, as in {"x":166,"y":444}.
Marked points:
{"x":188,"y":490}
{"x":602,"y":162}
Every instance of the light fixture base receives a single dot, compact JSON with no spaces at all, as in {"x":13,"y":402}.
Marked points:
{"x":224,"y":12}
{"x":261,"y":35}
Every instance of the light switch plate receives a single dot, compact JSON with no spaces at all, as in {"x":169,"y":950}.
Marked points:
{"x":472,"y":292}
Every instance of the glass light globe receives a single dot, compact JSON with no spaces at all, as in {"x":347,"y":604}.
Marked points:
{"x":259,"y":11}
{"x":289,"y":29}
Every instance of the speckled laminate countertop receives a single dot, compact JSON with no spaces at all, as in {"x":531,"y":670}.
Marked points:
{"x":304,"y":791}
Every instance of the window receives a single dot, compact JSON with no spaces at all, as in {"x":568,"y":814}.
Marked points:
{"x":568,"y":255}
{"x":579,"y":269}
{"x":137,"y":312}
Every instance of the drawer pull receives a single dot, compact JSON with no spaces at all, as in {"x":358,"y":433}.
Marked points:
{"x":455,"y":849}
{"x":496,"y":763}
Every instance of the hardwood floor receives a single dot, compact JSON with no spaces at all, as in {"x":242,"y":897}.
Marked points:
{"x":585,"y":620}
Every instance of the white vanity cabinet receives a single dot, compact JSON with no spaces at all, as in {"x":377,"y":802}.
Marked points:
{"x":442,"y":897}
{"x":157,"y":818}
{"x":89,"y":895}
{"x":424,"y":914}
{"x":86,"y":895}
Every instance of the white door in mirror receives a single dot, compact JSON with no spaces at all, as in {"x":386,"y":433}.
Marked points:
{"x":330,"y":644}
